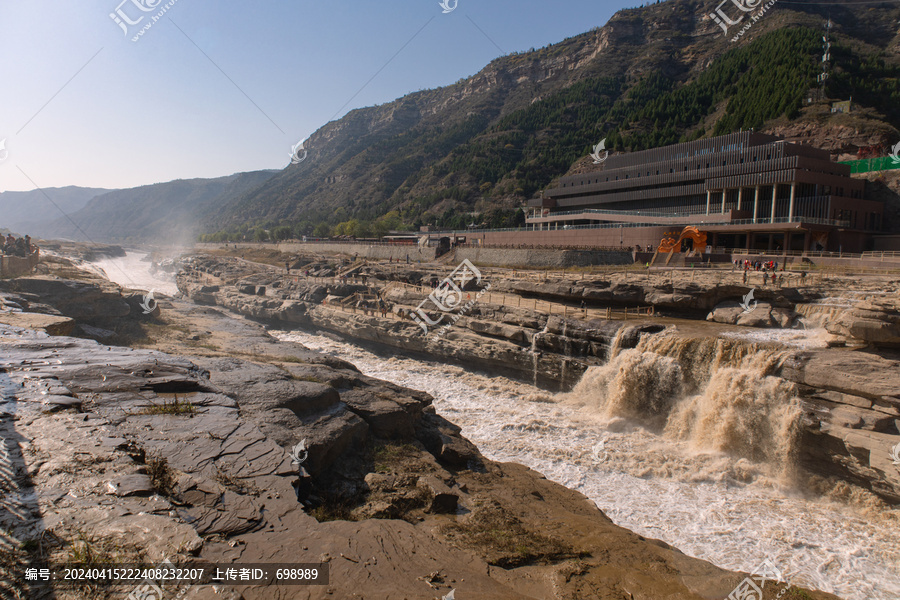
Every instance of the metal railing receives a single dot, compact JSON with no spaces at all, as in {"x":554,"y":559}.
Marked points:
{"x":811,"y":253}
{"x":881,"y":255}
{"x":795,"y":219}
{"x":633,"y":213}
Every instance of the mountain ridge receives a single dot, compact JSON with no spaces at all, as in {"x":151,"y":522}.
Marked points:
{"x":167,"y":212}
{"x":409,"y":155}
{"x":477,"y":150}
{"x":18,"y":209}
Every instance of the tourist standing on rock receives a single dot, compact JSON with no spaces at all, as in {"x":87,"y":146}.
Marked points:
{"x":745,"y":275}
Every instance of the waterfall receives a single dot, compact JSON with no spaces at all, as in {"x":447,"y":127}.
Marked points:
{"x":819,"y":314}
{"x":718,"y":395}
{"x":535,"y":354}
{"x":616,"y":345}
{"x":714,"y":505}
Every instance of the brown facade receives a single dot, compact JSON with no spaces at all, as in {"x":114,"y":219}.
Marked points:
{"x":739,"y":186}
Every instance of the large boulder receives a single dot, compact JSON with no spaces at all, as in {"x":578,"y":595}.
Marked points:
{"x":80,"y":300}
{"x":52,"y":324}
{"x":874,"y":321}
{"x":763,"y":314}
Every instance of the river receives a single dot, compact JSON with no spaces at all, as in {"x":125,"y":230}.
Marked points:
{"x":134,"y":271}
{"x":731,"y":512}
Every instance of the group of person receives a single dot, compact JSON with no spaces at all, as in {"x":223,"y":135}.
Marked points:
{"x":747,"y":265}
{"x":769,"y":270}
{"x":370,"y":306}
{"x":13,"y":246}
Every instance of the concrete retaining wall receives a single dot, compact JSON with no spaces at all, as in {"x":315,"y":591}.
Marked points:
{"x":498,"y":257}
{"x":379,"y":252}
{"x":516,"y":257}
{"x":610,"y":237}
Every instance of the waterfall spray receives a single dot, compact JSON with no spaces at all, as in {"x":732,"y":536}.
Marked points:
{"x":719,"y":395}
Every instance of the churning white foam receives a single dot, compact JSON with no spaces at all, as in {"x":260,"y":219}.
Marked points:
{"x":685,"y":479}
{"x":132,"y":271}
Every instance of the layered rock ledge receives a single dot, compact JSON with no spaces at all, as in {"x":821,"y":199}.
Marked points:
{"x":128,"y":454}
{"x":850,"y":424}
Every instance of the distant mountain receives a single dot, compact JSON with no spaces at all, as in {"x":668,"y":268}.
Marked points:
{"x":162,"y":213}
{"x":661,"y":74}
{"x":29,"y":212}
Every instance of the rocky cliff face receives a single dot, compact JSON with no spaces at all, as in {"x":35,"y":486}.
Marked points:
{"x":414,"y":154}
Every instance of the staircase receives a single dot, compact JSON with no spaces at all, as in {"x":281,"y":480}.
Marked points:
{"x":676,"y":262}
{"x":447,"y":257}
{"x":352,"y":268}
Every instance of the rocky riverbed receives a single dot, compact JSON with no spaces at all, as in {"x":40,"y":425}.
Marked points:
{"x":175,"y":444}
{"x":847,"y":400}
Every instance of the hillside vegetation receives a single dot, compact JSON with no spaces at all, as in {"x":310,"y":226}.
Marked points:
{"x":474,"y":152}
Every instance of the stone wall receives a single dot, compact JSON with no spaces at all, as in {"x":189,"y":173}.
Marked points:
{"x":609,"y":237}
{"x":517,"y":257}
{"x":13,"y":266}
{"x":372,"y":251}
{"x":499,"y":257}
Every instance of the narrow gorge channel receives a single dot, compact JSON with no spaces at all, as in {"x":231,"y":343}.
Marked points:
{"x":677,"y":484}
{"x":687,"y":439}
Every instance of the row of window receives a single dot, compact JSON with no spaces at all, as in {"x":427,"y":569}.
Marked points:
{"x":671,"y":170}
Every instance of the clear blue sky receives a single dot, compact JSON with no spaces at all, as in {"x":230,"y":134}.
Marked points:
{"x":81,"y":104}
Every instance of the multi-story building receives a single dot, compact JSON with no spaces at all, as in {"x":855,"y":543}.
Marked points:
{"x":744,"y":190}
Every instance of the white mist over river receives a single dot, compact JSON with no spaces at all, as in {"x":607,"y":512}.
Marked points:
{"x":713,"y":506}
{"x":653,"y":485}
{"x":133,"y":271}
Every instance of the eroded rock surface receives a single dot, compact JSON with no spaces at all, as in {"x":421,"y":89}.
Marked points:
{"x":166,"y":457}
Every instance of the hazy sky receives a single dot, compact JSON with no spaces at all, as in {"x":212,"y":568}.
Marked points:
{"x":214,"y":88}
